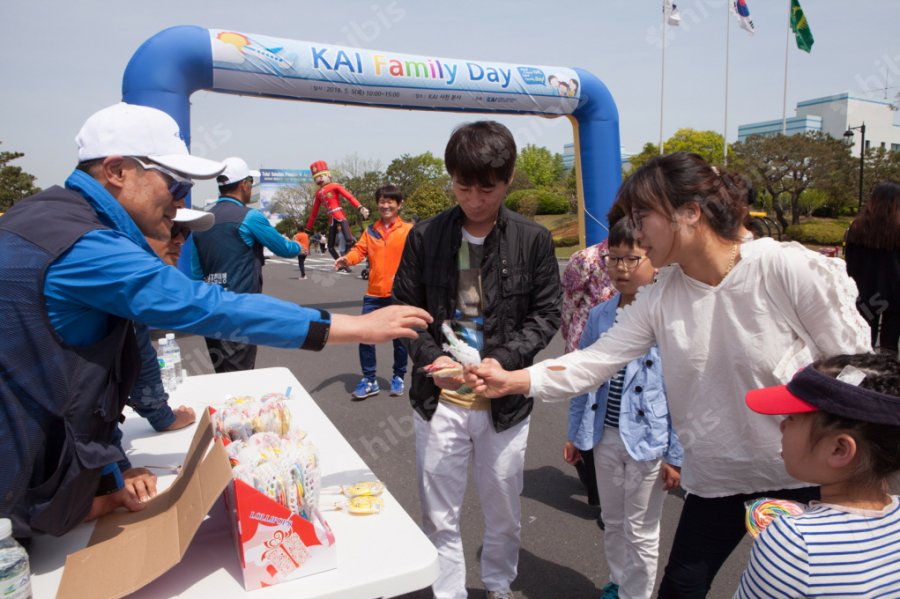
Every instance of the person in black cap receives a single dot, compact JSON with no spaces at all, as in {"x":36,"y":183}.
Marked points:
{"x":842,"y":431}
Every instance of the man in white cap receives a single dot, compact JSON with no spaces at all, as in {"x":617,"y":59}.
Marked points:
{"x":82,"y":271}
{"x":230,"y":254}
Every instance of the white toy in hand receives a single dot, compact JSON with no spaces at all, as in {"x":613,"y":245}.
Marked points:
{"x":461,"y":351}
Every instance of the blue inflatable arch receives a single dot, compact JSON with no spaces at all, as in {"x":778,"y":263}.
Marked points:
{"x":178,"y":61}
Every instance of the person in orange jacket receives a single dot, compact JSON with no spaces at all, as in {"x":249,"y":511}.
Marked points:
{"x":382,"y":243}
{"x":330,"y":194}
{"x":303,"y":239}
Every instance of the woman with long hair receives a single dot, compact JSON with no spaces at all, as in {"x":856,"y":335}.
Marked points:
{"x":873,"y":260}
{"x":727,"y":317}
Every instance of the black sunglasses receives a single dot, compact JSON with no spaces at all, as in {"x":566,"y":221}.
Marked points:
{"x":180,"y":229}
{"x":179,"y":186}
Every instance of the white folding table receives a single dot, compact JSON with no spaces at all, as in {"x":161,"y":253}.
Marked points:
{"x":378,"y":556}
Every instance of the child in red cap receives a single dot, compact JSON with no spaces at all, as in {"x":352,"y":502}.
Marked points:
{"x":842,"y":431}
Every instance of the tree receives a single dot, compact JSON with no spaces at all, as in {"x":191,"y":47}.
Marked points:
{"x":430,"y":198}
{"x":789,"y":164}
{"x":15,"y":184}
{"x":353,"y":166}
{"x":294,"y":202}
{"x":543,"y":167}
{"x":641,"y":158}
{"x":409,"y":172}
{"x":363,"y":187}
{"x":708,"y":144}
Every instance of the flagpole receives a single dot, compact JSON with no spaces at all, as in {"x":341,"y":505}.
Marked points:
{"x":727,"y":50}
{"x":787,"y":43}
{"x":662,"y":83}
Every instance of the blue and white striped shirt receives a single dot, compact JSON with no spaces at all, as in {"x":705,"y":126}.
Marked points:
{"x":827,"y":552}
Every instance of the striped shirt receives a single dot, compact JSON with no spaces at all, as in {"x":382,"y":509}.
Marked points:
{"x":828,"y":551}
{"x":614,"y":399}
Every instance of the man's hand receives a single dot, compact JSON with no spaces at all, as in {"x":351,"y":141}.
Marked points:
{"x":489,"y":379}
{"x":140,"y":487}
{"x":671,"y":476}
{"x":140,"y":484}
{"x":450,"y":383}
{"x":571,"y":455}
{"x":341,"y":263}
{"x":364,"y":211}
{"x":382,"y":325}
{"x":184,"y":416}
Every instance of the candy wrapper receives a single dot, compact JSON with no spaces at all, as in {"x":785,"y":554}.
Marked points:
{"x":461,"y":351}
{"x":761,"y":512}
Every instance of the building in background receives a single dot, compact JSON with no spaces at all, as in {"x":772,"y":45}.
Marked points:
{"x":568,"y":157}
{"x":834,"y":115}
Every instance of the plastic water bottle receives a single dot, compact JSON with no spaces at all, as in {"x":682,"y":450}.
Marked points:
{"x":15,"y":573}
{"x":166,"y":368}
{"x":175,"y":357}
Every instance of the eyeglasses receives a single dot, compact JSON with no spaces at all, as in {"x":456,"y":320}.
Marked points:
{"x":629,"y":262}
{"x":180,"y":229}
{"x":179,"y":186}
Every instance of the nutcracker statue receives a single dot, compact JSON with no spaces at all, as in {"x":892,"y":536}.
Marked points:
{"x":330,"y":194}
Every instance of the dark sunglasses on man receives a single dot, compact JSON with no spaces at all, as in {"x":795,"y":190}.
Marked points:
{"x":180,"y":229}
{"x":179,"y":185}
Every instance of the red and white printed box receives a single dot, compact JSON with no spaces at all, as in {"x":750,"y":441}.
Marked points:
{"x":274,"y":544}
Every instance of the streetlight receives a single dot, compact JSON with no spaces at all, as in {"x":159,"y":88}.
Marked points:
{"x":848,"y":134}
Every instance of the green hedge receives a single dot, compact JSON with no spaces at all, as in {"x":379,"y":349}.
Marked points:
{"x":548,"y":202}
{"x":566,"y":241}
{"x":819,"y":233}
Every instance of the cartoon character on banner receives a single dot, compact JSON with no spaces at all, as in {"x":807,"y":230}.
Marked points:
{"x":330,"y":194}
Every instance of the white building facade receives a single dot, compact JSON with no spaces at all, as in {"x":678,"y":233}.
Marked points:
{"x":834,"y":115}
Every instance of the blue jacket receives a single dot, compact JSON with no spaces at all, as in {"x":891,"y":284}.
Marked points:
{"x":254,"y":231}
{"x":113,"y":273}
{"x":644,"y":422}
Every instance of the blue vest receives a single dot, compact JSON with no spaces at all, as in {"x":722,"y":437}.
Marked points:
{"x":59,"y":405}
{"x":224,"y":257}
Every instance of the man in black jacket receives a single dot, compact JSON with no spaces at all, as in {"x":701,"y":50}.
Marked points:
{"x":494,"y":274}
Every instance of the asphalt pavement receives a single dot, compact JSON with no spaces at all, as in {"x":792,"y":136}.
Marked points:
{"x":562,"y":549}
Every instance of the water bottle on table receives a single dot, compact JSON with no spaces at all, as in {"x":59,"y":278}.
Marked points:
{"x":175,"y":357}
{"x":166,"y":367}
{"x":15,"y":572}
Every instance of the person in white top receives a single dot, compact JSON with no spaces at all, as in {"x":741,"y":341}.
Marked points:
{"x":842,"y":431}
{"x":727,"y":317}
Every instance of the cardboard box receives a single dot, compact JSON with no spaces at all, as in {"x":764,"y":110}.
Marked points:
{"x":274,"y":545}
{"x":138,"y":547}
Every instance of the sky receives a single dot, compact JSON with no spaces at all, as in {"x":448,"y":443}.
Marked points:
{"x":65,"y":60}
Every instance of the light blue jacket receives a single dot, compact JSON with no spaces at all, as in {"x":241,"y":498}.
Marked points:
{"x":644,"y":422}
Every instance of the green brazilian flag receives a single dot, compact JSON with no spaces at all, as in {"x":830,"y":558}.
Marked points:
{"x":800,"y":27}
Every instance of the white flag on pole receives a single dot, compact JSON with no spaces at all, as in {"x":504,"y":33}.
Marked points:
{"x":673,"y":17}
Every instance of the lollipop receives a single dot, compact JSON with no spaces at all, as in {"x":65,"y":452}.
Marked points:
{"x":761,"y":512}
{"x":462,"y":352}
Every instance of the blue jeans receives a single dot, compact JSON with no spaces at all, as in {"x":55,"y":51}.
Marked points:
{"x":367,"y":352}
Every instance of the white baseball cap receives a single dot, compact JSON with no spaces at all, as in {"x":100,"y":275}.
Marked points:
{"x":132,"y":130}
{"x":195,"y":220}
{"x":236,"y":170}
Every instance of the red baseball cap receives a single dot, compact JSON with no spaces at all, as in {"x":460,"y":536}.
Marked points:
{"x":811,"y":391}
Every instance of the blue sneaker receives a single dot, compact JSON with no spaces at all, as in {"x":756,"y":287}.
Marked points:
{"x":366,"y":388}
{"x":610,"y":591}
{"x":396,"y":386}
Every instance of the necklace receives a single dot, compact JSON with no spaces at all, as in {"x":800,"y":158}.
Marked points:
{"x":731,"y":262}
